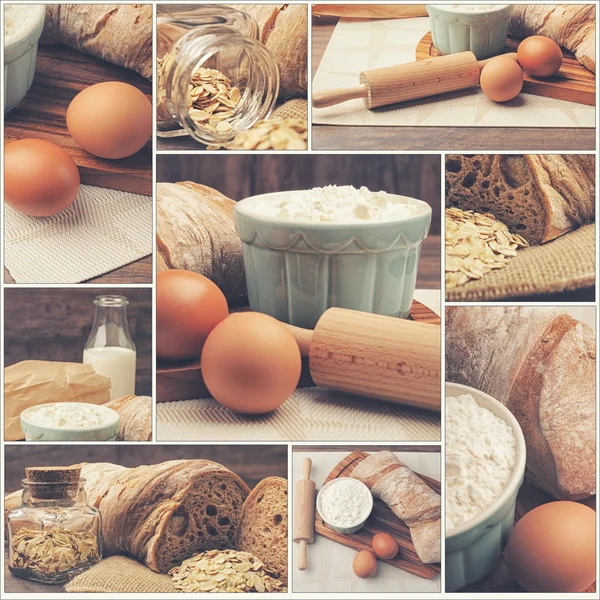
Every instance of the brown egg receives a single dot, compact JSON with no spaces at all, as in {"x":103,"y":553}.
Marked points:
{"x":40,"y":178}
{"x":364,"y":564}
{"x":251,"y":363}
{"x":553,"y":548}
{"x":188,"y":307}
{"x":501,"y":79}
{"x":110,"y":119}
{"x":384,"y":545}
{"x":540,"y":56}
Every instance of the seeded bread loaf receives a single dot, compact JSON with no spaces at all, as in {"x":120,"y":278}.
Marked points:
{"x":539,"y":196}
{"x":409,"y":497}
{"x":263,"y":526}
{"x":195,"y":232}
{"x":541,"y":365}
{"x":162,"y":514}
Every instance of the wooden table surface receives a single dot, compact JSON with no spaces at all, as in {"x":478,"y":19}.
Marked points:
{"x":337,"y":137}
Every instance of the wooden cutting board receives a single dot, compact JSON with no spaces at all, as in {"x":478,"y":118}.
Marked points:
{"x":183,"y":381}
{"x":573,"y":82}
{"x":382,"y":519}
{"x":61,"y":73}
{"x":500,"y":580}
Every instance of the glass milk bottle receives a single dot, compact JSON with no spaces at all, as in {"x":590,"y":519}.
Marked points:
{"x":110,"y":348}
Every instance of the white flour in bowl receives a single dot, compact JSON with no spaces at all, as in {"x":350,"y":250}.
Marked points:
{"x":67,"y":415}
{"x":480,"y":456}
{"x":16,"y":18}
{"x":334,"y":204}
{"x":471,"y":8}
{"x":345,"y":503}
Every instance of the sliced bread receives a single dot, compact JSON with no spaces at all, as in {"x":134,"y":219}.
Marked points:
{"x":263,"y":526}
{"x":539,"y":196}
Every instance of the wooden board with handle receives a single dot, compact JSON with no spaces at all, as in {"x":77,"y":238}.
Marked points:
{"x":61,"y":73}
{"x":573,"y":82}
{"x":182,"y":381}
{"x":382,"y":519}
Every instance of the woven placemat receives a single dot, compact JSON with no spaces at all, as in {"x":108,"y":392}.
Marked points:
{"x":118,"y":574}
{"x":292,"y":109}
{"x":565,"y":264}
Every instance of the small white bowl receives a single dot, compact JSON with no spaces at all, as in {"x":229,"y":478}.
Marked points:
{"x":20,"y":56}
{"x":473,"y":548}
{"x":355,"y":526}
{"x":102,"y":433}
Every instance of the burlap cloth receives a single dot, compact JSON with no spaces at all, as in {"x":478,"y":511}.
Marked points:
{"x":118,"y":574}
{"x":292,"y":109}
{"x":565,"y":264}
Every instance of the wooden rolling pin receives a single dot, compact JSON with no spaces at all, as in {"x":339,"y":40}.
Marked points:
{"x":376,"y":356}
{"x":410,"y":81}
{"x":304,"y":514}
{"x":370,"y":11}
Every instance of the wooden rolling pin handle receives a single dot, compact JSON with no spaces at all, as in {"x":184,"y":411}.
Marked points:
{"x":482,"y":63}
{"x":306,"y":467}
{"x":337,"y":96}
{"x":302,"y":556}
{"x":303,"y":338}
{"x":304,"y":513}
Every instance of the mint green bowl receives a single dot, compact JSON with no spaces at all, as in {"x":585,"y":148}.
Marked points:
{"x":296,"y":270}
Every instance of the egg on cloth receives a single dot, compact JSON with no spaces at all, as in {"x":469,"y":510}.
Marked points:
{"x":110,"y":119}
{"x":188,"y":307}
{"x":540,"y":56}
{"x":501,"y":79}
{"x":40,"y":178}
{"x":553,"y":548}
{"x":384,"y":545}
{"x":251,"y":363}
{"x":364,"y":564}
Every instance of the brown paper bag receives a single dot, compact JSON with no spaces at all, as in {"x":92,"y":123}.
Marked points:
{"x":34,"y":382}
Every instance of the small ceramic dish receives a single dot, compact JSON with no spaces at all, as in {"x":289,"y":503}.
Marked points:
{"x":361,"y":489}
{"x":473,"y":548}
{"x":482,"y":32}
{"x":296,"y":270}
{"x":20,"y":54}
{"x":102,"y":433}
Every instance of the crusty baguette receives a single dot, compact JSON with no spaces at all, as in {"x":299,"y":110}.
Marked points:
{"x":117,"y":33}
{"x":162,"y":514}
{"x":136,"y":418}
{"x":195,"y":232}
{"x":571,"y":26}
{"x":541,"y":365}
{"x":409,"y":497}
{"x":539,"y":196}
{"x":263,"y":526}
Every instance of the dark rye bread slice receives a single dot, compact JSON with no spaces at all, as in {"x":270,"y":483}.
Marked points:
{"x":263,"y":527}
{"x":539,"y":196}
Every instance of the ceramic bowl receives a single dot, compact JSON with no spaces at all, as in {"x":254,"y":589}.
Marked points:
{"x":483,"y":33}
{"x":346,"y":530}
{"x":20,"y":56}
{"x":38,"y":433}
{"x":296,"y":270}
{"x":473,"y":548}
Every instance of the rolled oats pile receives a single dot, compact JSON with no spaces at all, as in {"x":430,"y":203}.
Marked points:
{"x":475,"y":245}
{"x":224,"y":571}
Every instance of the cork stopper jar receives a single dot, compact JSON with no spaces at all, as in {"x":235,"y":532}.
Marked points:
{"x":54,"y":534}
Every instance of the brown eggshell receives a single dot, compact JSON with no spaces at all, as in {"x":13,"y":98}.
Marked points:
{"x":40,"y":178}
{"x":251,"y":363}
{"x":540,"y":56}
{"x":110,"y":119}
{"x":501,"y":79}
{"x":364,"y":564}
{"x":553,"y":548}
{"x":188,"y":307}
{"x":384,"y":545}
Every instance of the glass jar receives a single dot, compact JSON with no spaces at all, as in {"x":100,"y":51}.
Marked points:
{"x":110,"y":348}
{"x":54,"y":535}
{"x":211,"y":36}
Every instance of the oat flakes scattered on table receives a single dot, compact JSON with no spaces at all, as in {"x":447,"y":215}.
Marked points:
{"x":476,"y":244}
{"x":224,"y":571}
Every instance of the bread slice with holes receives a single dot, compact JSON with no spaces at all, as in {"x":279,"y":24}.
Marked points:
{"x":539,"y":196}
{"x":263,"y":526}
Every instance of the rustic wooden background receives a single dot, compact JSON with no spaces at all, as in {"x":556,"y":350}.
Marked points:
{"x":251,"y":463}
{"x":239,"y":176}
{"x":53,"y":324}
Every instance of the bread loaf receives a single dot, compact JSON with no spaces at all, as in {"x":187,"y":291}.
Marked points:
{"x":162,"y":514}
{"x":539,"y":196}
{"x":409,"y":497}
{"x":136,"y":418}
{"x":195,"y":232}
{"x":263,"y":526}
{"x":541,"y":365}
{"x":571,"y":26}
{"x":117,"y":33}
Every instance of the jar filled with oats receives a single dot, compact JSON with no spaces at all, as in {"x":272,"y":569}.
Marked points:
{"x":54,"y":534}
{"x":214,"y":76}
